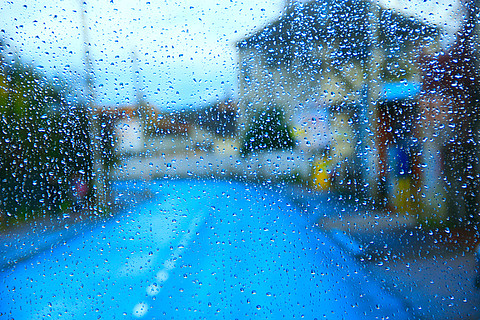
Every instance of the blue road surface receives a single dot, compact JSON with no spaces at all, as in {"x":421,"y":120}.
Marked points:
{"x":197,"y":250}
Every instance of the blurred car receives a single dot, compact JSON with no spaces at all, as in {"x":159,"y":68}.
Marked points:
{"x":198,"y":249}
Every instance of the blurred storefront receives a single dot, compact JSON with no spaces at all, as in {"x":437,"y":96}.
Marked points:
{"x":398,"y":146}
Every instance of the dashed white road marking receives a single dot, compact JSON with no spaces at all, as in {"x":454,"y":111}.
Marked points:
{"x":162,"y":276}
{"x":141,"y":309}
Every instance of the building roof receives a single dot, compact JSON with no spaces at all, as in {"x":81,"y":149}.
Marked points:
{"x":341,"y":23}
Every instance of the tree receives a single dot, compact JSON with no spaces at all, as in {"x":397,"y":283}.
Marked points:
{"x":43,"y":142}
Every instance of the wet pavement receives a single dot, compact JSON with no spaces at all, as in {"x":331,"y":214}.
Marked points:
{"x":432,"y":272}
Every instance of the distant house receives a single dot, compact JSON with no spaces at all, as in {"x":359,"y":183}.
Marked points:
{"x":141,"y":130}
{"x":127,"y":130}
{"x":215,"y":127}
{"x":317,"y":59}
{"x":144,"y":130}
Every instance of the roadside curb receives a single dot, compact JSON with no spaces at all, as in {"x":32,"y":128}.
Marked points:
{"x":23,"y":242}
{"x":378,"y":234}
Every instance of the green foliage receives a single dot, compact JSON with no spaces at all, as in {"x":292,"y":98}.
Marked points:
{"x":268,"y":131}
{"x":43,"y":142}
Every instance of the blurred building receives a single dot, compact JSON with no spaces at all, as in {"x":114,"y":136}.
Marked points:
{"x":346,"y":74}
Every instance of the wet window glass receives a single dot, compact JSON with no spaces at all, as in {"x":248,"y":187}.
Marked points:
{"x":239,"y":159}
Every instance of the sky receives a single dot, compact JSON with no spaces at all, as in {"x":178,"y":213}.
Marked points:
{"x":446,"y":14}
{"x":183,"y":51}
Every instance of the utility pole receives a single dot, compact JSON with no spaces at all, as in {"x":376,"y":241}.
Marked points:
{"x":142,"y":110}
{"x":136,"y":78}
{"x":99,"y":195}
{"x":141,"y":107}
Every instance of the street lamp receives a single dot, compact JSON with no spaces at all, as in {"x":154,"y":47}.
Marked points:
{"x":99,"y":173}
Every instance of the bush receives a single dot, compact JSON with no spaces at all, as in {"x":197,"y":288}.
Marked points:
{"x":268,"y":131}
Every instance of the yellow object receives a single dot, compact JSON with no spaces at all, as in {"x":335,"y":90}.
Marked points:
{"x":403,"y":196}
{"x":320,"y":178}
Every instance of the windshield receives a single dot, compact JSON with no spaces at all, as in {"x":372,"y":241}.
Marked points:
{"x":314,"y":159}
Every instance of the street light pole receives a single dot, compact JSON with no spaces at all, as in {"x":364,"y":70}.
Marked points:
{"x":98,"y":196}
{"x":369,"y":109}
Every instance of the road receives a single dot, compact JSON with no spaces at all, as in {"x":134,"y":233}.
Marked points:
{"x":431,"y":270}
{"x":198,"y":249}
{"x":433,"y":286}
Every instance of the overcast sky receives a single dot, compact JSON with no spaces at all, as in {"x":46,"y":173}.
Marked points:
{"x":185,"y":50}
